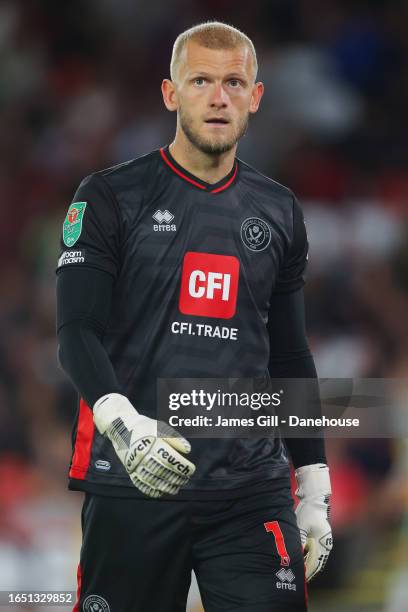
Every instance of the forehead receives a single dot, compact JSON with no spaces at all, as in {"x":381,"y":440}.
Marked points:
{"x":197,"y":58}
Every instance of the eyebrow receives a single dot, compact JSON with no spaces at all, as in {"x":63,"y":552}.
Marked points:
{"x":231,"y":75}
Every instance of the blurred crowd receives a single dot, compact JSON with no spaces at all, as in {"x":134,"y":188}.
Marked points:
{"x":80,"y":91}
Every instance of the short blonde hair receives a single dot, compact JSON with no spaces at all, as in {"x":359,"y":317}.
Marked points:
{"x":213,"y":35}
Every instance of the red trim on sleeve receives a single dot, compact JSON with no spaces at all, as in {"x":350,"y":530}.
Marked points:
{"x":79,"y":583}
{"x":83,"y":442}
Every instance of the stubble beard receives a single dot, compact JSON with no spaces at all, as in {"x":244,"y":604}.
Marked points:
{"x":211,"y":146}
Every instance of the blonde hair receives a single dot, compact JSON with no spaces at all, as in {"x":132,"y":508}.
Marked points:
{"x":213,"y":35}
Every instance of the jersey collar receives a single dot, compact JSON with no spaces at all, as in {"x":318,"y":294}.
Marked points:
{"x":223,"y":184}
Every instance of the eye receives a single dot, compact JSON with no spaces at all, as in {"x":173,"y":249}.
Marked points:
{"x":199,"y":81}
{"x":235,"y":83}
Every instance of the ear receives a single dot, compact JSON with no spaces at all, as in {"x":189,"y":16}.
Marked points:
{"x":257,"y":93}
{"x":169,"y":94}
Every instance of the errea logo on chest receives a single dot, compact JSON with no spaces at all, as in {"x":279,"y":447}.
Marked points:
{"x":164,"y":220}
{"x":209,"y":285}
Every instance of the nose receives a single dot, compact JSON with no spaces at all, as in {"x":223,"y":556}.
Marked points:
{"x":219,"y":97}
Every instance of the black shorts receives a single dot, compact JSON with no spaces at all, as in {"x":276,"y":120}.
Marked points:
{"x":137,"y":554}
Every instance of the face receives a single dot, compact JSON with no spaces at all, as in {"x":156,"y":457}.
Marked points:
{"x":214,"y":95}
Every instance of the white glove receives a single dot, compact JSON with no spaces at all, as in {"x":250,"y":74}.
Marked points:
{"x":153,"y":463}
{"x":312,"y":515}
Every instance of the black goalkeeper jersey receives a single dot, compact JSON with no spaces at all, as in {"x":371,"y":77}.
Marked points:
{"x":194,"y":267}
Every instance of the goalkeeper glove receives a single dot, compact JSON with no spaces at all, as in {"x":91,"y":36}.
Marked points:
{"x":154,"y":464}
{"x":312,"y":515}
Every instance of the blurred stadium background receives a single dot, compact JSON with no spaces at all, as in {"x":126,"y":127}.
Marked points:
{"x":79,"y":91}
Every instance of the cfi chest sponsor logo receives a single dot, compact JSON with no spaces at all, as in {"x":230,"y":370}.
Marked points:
{"x":164,"y":221}
{"x":72,"y":226}
{"x":255,"y":234}
{"x":209,"y":285}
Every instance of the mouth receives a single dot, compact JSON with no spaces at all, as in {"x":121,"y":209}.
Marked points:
{"x":217,"y":121}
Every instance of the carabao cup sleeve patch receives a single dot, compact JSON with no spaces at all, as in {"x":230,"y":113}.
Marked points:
{"x":72,"y":226}
{"x":92,"y":225}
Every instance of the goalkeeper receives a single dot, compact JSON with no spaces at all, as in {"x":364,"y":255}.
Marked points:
{"x":150,"y":249}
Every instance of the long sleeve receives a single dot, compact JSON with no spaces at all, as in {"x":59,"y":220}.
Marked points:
{"x":83,"y":304}
{"x":88,"y":265}
{"x":290,"y":355}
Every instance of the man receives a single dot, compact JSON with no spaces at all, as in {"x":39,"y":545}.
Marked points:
{"x":140,"y":242}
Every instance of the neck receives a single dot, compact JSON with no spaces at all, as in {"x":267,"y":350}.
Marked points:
{"x":208,"y":168}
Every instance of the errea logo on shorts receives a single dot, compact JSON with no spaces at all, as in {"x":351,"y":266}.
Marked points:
{"x":209,"y":285}
{"x":286,"y":578}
